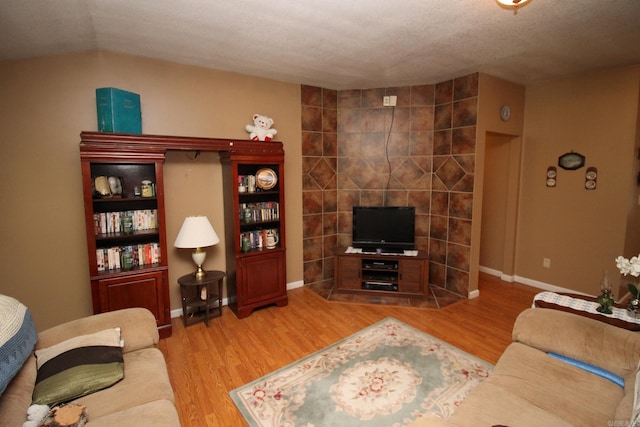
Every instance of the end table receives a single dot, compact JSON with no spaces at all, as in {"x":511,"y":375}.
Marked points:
{"x":198,"y":294}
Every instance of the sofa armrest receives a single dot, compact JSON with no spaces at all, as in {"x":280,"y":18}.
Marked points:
{"x":615,"y":349}
{"x":138,"y":328}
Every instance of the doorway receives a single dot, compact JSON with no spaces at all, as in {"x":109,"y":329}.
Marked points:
{"x":500,"y":205}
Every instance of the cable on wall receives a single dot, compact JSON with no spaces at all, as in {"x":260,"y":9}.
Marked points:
{"x":386,"y":150}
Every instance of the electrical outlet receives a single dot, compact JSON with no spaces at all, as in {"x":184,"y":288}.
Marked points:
{"x":546,"y":262}
{"x":389,"y":101}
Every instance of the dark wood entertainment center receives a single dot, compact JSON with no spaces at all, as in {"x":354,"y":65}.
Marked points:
{"x":399,"y":275}
{"x":255,"y":276}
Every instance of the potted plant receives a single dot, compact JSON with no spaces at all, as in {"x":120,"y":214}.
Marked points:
{"x":631,"y":267}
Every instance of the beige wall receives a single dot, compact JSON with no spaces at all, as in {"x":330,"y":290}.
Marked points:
{"x":580,"y":231}
{"x":46,"y":102}
{"x":495,"y":198}
{"x":632,"y":241}
{"x":498,"y":160}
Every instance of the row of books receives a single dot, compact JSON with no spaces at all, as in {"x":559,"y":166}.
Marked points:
{"x":127,"y":257}
{"x":261,"y":211}
{"x":125,"y":221}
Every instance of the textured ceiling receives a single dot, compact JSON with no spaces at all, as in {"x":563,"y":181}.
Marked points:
{"x":338,"y":44}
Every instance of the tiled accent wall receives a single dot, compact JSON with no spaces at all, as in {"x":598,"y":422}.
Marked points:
{"x":319,"y":188}
{"x":454,"y":158}
{"x":420,"y":153}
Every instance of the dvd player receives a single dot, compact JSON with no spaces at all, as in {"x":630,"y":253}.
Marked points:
{"x":380,"y":286}
{"x":384,"y":265}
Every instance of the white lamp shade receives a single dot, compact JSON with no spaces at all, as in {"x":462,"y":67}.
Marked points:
{"x":512,"y":4}
{"x":196,"y":232}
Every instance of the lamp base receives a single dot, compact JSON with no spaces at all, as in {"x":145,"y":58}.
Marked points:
{"x":198,"y":257}
{"x":200,"y":273}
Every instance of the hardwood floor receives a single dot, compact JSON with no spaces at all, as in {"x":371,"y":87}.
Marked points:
{"x":206,"y":363}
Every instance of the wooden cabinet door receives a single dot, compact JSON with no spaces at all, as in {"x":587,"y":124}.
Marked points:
{"x":412,"y":276}
{"x":140,"y":290}
{"x":349,"y":272}
{"x":261,"y":281}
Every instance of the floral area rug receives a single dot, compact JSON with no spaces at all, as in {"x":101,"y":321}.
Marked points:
{"x":385,"y":375}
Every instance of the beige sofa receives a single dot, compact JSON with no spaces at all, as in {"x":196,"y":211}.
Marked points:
{"x":143,"y":397}
{"x":530,"y":388}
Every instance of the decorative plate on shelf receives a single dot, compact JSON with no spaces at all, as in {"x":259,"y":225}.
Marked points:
{"x":266,"y":178}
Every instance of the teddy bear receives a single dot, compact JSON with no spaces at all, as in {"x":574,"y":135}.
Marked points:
{"x":261,"y":128}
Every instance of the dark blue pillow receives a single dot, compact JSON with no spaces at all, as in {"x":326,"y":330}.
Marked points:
{"x":18,"y":336}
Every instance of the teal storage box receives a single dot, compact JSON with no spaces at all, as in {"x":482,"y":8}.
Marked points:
{"x":118,"y":111}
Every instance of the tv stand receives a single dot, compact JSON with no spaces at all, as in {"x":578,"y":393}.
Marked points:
{"x":392,"y":251}
{"x":391,"y":274}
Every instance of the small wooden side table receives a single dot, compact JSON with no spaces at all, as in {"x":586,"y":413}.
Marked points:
{"x":198,"y":295}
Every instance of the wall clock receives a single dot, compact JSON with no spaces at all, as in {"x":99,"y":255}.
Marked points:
{"x":571,"y":161}
{"x":505,"y":113}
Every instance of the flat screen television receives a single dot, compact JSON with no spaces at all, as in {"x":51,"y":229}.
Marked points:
{"x":388,"y":228}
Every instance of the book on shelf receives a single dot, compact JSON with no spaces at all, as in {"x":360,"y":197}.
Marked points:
{"x":119,"y":222}
{"x":261,"y":211}
{"x":127,"y":257}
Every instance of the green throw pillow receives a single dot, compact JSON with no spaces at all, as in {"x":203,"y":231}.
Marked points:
{"x":78,"y":366}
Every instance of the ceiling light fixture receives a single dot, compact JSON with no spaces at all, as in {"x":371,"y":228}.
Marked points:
{"x":512,"y":4}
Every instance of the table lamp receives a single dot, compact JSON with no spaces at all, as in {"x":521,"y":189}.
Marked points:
{"x":197,"y":233}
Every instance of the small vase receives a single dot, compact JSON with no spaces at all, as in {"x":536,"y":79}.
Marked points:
{"x":606,"y":302}
{"x":633,"y":308}
{"x":606,"y":295}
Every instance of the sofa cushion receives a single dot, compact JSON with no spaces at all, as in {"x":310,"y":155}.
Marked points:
{"x":138,"y":326}
{"x":529,"y":387}
{"x":491,"y":405}
{"x":617,"y":380}
{"x":18,"y":336}
{"x":635,"y":414}
{"x":145,"y":380}
{"x":17,"y":397}
{"x":596,"y":343}
{"x":78,"y":366}
{"x":158,"y":413}
{"x":625,"y":407}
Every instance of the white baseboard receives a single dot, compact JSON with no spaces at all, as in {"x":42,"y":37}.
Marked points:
{"x":474,"y":294}
{"x":497,"y":273}
{"x":530,"y":282}
{"x":294,"y":285}
{"x":225,"y":301}
{"x":490,"y":271}
{"x":546,"y":286}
